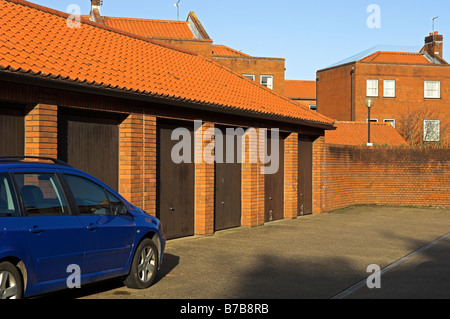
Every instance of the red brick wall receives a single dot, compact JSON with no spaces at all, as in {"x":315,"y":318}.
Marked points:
{"x":204,"y":184}
{"x":291,"y":176}
{"x":257,"y":66}
{"x":137,"y":161}
{"x":252,"y":184}
{"x":41,"y":131}
{"x":404,"y":176}
{"x":149,"y":153}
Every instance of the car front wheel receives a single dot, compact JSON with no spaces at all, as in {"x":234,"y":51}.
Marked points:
{"x":144,"y":266}
{"x":11,"y":286}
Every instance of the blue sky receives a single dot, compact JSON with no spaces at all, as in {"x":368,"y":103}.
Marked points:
{"x":310,"y":35}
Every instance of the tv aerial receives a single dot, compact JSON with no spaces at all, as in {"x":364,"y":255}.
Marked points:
{"x":178,"y":9}
{"x":431,"y":20}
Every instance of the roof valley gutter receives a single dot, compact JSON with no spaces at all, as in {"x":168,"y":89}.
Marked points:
{"x":111,"y":92}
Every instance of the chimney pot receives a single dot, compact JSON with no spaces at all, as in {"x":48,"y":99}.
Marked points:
{"x":95,"y":11}
{"x":434,"y":44}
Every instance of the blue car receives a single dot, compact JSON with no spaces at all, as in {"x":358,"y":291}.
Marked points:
{"x":62,"y":228}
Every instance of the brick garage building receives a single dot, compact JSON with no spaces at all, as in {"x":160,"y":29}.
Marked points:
{"x":410,"y":90}
{"x":108,"y":101}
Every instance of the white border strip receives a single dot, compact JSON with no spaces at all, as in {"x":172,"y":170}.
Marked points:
{"x":362,"y":283}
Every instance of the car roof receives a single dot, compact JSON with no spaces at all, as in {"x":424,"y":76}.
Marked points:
{"x":8,"y":162}
{"x":31,"y":164}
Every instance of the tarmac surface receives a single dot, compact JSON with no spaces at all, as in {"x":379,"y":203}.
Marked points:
{"x":311,"y":257}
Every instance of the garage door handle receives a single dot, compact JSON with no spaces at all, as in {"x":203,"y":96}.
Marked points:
{"x":223,"y":203}
{"x":172,"y":209}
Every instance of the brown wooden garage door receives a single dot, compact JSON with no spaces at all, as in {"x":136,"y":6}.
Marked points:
{"x":305,"y":176}
{"x":227,"y":185}
{"x":175,"y":189}
{"x":274,"y":184}
{"x":12,"y":130}
{"x":89,"y":141}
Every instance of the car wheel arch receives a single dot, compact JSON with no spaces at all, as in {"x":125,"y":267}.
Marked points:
{"x":20,"y":265}
{"x":153,"y":235}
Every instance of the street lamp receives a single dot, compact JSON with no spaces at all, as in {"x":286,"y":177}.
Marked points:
{"x":369,"y":102}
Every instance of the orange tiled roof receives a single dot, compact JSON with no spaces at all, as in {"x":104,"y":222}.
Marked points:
{"x":222,"y":50}
{"x":355,"y":133}
{"x":35,"y":41}
{"x":397,"y":57}
{"x":151,"y":28}
{"x":302,"y":103}
{"x":297,"y":89}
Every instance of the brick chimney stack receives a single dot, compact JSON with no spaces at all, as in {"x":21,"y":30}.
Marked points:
{"x":95,"y":11}
{"x":434,"y":45}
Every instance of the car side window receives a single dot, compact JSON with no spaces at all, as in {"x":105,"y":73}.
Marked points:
{"x":41,"y":194}
{"x":117,"y":207}
{"x":8,"y":205}
{"x":91,"y":198}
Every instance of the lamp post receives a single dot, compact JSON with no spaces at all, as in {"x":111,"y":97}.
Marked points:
{"x":369,"y":102}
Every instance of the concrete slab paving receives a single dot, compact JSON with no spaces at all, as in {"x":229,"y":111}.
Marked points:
{"x":311,"y":257}
{"x":423,"y":275}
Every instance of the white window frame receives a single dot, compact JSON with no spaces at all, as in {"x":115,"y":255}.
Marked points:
{"x":386,"y":87}
{"x":431,"y":137}
{"x":427,"y":91}
{"x":370,"y":87}
{"x":391,"y":121}
{"x":313,"y":107}
{"x":269,"y":81}
{"x":372,"y":120}
{"x":249,"y":76}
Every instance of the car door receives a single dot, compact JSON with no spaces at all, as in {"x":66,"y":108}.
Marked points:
{"x":107,"y":228}
{"x":53,"y":234}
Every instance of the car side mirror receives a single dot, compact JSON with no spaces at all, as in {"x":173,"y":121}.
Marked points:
{"x":119,"y":209}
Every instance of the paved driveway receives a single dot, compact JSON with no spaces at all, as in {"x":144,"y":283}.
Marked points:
{"x":316,"y":256}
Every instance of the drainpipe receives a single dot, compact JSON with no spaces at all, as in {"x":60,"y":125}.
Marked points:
{"x":351,"y":93}
{"x":317,"y":93}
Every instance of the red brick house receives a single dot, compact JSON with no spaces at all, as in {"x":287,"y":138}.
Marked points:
{"x":107,"y":101}
{"x":410,"y":91}
{"x":191,"y":35}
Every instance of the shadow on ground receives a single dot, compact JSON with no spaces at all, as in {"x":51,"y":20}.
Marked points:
{"x":424,"y":275}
